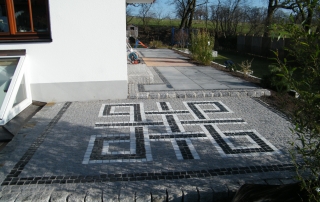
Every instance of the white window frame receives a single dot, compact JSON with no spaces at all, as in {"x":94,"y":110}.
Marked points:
{"x":7,"y":110}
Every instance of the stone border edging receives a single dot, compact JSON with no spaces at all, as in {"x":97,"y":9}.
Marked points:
{"x":200,"y":94}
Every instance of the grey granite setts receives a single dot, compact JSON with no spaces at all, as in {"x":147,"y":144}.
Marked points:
{"x":183,"y":134}
{"x":137,"y":149}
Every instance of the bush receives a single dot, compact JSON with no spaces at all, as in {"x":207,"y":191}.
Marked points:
{"x":182,"y":38}
{"x":156,"y":44}
{"x":274,"y":81}
{"x":303,"y":76}
{"x":201,"y":47}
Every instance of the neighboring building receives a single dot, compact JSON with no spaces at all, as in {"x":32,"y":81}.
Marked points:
{"x":61,"y":50}
{"x":132,"y":31}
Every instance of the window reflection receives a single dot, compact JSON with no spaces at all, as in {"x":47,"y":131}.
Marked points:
{"x":3,"y":17}
{"x":22,"y":15}
{"x":7,"y":69}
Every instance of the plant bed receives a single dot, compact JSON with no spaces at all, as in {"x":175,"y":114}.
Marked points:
{"x":280,"y":101}
{"x":236,"y":74}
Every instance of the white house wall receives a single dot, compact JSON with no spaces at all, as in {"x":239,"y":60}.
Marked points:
{"x":86,"y":59}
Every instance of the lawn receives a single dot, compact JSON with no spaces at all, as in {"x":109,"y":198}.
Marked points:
{"x":259,"y":65}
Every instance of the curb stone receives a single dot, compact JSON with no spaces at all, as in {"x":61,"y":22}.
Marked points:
{"x":93,"y":195}
{"x":59,"y":196}
{"x":199,"y":94}
{"x":215,"y":193}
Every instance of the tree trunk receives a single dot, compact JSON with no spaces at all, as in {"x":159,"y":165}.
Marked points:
{"x":190,"y":8}
{"x":271,"y":9}
{"x":183,"y":22}
{"x":308,"y":20}
{"x":191,"y":14}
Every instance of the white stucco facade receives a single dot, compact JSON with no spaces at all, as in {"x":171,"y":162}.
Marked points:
{"x":86,"y":59}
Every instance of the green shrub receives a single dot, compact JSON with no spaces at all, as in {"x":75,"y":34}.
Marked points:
{"x":274,"y":81}
{"x":156,"y":44}
{"x":201,"y":47}
{"x":303,"y":76}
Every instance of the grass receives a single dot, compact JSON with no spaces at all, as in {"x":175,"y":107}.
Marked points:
{"x":164,"y":22}
{"x":259,"y":65}
{"x":176,"y":23}
{"x":243,"y":28}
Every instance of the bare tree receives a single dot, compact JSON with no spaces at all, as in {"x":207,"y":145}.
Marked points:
{"x":226,"y":16}
{"x":305,"y":9}
{"x":159,"y":15}
{"x":169,"y":17}
{"x":273,"y":5}
{"x":185,"y":10}
{"x":200,"y":13}
{"x":280,"y":16}
{"x":255,"y":19}
{"x":145,"y":14}
{"x":129,"y":15}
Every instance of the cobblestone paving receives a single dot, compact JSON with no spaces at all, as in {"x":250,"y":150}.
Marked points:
{"x":127,"y":149}
{"x":177,"y":146}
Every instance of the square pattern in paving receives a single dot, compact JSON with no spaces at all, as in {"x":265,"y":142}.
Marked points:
{"x":152,"y":140}
{"x":140,"y":138}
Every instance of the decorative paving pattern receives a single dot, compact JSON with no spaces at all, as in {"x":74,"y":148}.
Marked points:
{"x":148,"y":140}
{"x":139,"y":139}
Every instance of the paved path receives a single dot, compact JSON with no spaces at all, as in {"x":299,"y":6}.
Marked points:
{"x":183,"y":77}
{"x":165,"y":77}
{"x":135,"y":149}
{"x":197,"y":78}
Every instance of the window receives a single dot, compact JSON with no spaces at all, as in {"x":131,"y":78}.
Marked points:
{"x":24,"y":20}
{"x":15,"y":94}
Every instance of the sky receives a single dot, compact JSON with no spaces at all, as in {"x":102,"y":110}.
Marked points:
{"x":167,"y":9}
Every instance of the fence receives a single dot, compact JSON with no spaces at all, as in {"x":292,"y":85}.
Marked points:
{"x":262,"y":46}
{"x":256,"y":45}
